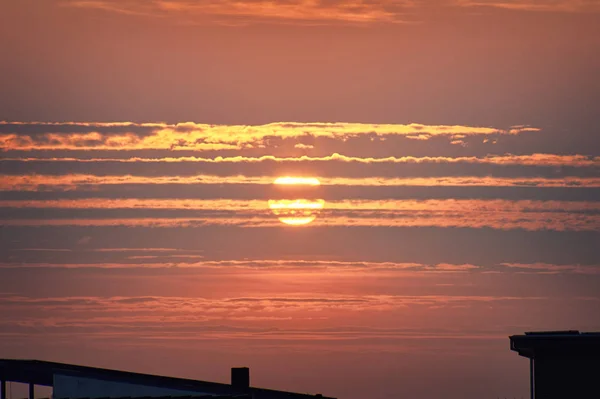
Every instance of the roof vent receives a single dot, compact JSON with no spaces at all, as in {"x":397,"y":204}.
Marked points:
{"x":240,"y":377}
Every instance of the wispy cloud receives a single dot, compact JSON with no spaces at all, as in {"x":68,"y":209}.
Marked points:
{"x":539,"y":222}
{"x":227,"y":307}
{"x":548,"y":268}
{"x":275,"y":268}
{"x":246,"y":11}
{"x":507,"y":159}
{"x":536,"y":6}
{"x":310,"y":12}
{"x":105,"y":250}
{"x":492,"y":206}
{"x":135,"y":250}
{"x":496,"y":214}
{"x":201,"y":137}
{"x":43,"y":249}
{"x":235,"y":267}
{"x":74,"y":182}
{"x":288,"y":320}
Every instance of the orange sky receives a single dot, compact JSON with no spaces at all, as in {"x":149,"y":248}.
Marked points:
{"x":456,"y":147}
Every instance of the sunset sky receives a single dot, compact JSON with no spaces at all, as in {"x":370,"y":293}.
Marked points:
{"x":453,"y":152}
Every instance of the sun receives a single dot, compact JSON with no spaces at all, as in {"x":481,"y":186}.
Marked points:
{"x":309,"y":181}
{"x":298,"y":211}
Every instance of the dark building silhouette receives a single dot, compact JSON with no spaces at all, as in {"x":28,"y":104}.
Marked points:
{"x":563,"y":364}
{"x":240,"y":377}
{"x":76,"y":382}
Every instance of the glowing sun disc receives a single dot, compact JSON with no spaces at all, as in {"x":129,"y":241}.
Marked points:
{"x":297,"y":221}
{"x":307,"y":181}
{"x":300,"y":211}
{"x":296,"y":204}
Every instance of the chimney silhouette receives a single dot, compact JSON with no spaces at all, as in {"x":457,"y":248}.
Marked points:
{"x":240,"y":377}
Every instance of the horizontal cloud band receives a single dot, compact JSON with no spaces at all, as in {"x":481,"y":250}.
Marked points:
{"x":201,"y":137}
{"x":160,"y":218}
{"x":351,"y":205}
{"x":169,"y":259}
{"x":295,"y":12}
{"x":508,"y":159}
{"x":70,"y":182}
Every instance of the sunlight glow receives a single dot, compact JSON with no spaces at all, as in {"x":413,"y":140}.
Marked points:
{"x":309,"y":181}
{"x":300,"y":211}
{"x":296,"y":212}
{"x":296,"y":205}
{"x":297,"y":221}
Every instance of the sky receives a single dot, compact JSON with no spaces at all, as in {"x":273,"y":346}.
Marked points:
{"x":451,"y":196}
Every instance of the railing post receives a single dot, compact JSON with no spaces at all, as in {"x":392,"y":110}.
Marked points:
{"x":532,"y":378}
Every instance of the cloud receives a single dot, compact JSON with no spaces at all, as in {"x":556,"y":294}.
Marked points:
{"x":495,"y":214}
{"x":304,"y":146}
{"x":280,"y":320}
{"x":507,"y":159}
{"x":276,"y":268}
{"x":138,"y":250}
{"x":258,"y":265}
{"x":576,"y":6}
{"x":104,"y":128}
{"x":334,"y":169}
{"x":169,"y":256}
{"x":445,"y":267}
{"x":202,"y":137}
{"x":450,"y":205}
{"x":43,"y":249}
{"x":243,"y":12}
{"x":70,"y":182}
{"x":309,"y":12}
{"x":87,"y":239}
{"x":84,"y":240}
{"x":539,"y":222}
{"x":225,"y":307}
{"x":548,"y":268}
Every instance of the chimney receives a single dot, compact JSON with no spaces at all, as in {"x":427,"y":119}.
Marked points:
{"x":240,"y":377}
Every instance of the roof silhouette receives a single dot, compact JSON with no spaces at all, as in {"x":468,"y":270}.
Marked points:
{"x":40,"y":372}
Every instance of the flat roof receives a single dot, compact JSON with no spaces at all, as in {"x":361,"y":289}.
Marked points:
{"x":40,"y":372}
{"x":177,"y":397}
{"x":556,"y":343}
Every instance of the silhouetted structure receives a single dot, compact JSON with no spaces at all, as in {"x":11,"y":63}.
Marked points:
{"x":563,"y":364}
{"x":240,"y":377}
{"x":76,"y":382}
